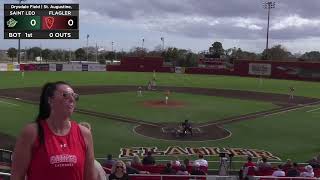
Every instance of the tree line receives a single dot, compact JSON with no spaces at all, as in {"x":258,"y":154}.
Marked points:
{"x":172,"y":55}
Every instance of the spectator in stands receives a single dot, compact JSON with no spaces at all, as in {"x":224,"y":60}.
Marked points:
{"x":249,"y":168}
{"x":182,"y":170}
{"x":119,"y":171}
{"x":308,"y":173}
{"x":168,"y":169}
{"x":201,"y":161}
{"x":196,"y":169}
{"x":263,"y":164}
{"x":176,"y":162}
{"x":101,"y":174}
{"x":109,"y":162}
{"x":249,"y":162}
{"x":53,"y":136}
{"x":279,"y":172}
{"x":136,"y":161}
{"x":130,"y":169}
{"x":149,"y":159}
{"x":315,"y":162}
{"x":287,"y":165}
{"x":186,"y":162}
{"x":293,"y":171}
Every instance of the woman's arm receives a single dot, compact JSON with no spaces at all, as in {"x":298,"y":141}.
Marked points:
{"x":89,"y":172}
{"x":22,"y":152}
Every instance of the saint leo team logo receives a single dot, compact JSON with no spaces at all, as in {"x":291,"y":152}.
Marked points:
{"x":49,"y":21}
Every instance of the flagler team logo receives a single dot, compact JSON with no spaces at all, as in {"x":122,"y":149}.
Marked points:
{"x":49,"y":22}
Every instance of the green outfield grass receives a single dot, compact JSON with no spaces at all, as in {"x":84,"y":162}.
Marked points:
{"x":198,"y":108}
{"x":292,"y":134}
{"x":14,"y":79}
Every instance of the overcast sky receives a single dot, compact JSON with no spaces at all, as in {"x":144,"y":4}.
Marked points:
{"x":188,"y":24}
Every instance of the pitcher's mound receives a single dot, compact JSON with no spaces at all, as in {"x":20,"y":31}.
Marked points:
{"x":162,"y":104}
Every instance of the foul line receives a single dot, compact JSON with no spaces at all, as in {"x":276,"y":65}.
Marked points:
{"x":313,"y":110}
{"x":12,"y":104}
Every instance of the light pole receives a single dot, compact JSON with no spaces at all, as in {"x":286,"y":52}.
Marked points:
{"x":268,"y":5}
{"x":87,"y":47}
{"x":142,"y":43}
{"x":19,"y":40}
{"x":114,"y":56}
{"x":162,"y":39}
{"x":97,"y":51}
{"x":112,"y":46}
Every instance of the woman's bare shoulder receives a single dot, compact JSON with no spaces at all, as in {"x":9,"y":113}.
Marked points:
{"x":85,"y":131}
{"x":29,"y":131}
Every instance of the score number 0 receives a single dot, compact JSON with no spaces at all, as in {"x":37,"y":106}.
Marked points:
{"x":70,"y":22}
{"x":33,"y":22}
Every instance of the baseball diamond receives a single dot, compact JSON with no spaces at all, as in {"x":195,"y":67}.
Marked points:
{"x":202,"y":131}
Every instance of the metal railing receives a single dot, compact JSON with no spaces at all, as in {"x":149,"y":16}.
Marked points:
{"x":282,"y":178}
{"x":5,"y":176}
{"x":171,"y":177}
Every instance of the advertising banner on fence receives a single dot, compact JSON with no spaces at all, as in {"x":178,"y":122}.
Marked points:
{"x":13,"y":67}
{"x":96,"y":67}
{"x":42,"y":67}
{"x":77,"y":67}
{"x":59,"y":67}
{"x":84,"y":67}
{"x":3,"y":67}
{"x":10,"y":67}
{"x":72,"y":67}
{"x":261,"y":69}
{"x":67,"y":67}
{"x":16,"y":67}
{"x":52,"y":67}
{"x":179,"y":69}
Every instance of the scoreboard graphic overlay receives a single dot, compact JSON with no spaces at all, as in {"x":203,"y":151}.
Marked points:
{"x":41,"y":21}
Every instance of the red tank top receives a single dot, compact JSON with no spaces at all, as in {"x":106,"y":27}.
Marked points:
{"x":60,"y":157}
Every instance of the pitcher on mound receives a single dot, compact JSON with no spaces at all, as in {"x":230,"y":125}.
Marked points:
{"x":167,"y":94}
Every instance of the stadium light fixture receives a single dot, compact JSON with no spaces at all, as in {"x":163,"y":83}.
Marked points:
{"x":162,"y":39}
{"x":268,"y":5}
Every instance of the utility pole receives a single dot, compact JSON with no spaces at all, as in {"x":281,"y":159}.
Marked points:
{"x":96,"y":52}
{"x":19,"y":43}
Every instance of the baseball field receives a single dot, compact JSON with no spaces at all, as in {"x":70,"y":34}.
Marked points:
{"x":225,"y":111}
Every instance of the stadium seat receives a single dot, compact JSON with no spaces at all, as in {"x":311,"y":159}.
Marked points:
{"x":316,"y":172}
{"x":154,"y":169}
{"x":265,"y":171}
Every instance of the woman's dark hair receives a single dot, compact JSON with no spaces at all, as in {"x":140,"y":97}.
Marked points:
{"x":44,"y":107}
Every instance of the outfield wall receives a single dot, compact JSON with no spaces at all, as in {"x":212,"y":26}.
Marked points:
{"x":279,"y":69}
{"x":269,"y":69}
